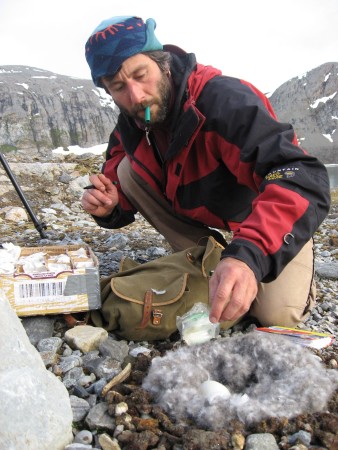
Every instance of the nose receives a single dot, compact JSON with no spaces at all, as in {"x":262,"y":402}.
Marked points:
{"x":136,"y":93}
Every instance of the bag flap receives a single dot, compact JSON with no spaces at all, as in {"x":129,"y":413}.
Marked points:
{"x":167,"y":286}
{"x":127,"y":263}
{"x":211,"y":257}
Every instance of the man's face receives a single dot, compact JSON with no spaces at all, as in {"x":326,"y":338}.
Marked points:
{"x":138,"y":84}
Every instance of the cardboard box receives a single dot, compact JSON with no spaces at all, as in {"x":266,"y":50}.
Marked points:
{"x":59,"y":289}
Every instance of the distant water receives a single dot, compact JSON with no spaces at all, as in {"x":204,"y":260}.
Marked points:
{"x":332,"y":170}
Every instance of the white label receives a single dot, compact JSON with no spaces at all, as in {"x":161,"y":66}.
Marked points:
{"x":36,"y":291}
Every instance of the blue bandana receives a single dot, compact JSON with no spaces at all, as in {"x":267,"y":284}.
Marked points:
{"x":115,"y":40}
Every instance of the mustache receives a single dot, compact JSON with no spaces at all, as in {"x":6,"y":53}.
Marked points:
{"x":140,"y":108}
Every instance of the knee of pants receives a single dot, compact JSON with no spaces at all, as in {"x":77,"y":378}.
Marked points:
{"x":284,"y":317}
{"x":284,"y":314}
{"x":287,"y":300}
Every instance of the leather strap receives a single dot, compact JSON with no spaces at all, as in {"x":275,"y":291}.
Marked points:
{"x":72,"y":321}
{"x":147,"y":305}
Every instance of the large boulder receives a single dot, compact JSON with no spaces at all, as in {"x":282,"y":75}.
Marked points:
{"x":35,"y":410}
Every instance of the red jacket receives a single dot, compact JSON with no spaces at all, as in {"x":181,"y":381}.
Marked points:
{"x":229,"y":165}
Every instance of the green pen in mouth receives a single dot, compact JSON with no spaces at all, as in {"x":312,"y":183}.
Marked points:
{"x":147,"y":115}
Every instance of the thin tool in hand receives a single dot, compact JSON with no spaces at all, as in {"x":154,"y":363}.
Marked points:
{"x":91,"y":186}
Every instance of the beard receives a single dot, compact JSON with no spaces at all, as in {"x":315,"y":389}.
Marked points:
{"x":162,"y":100}
{"x":164,"y":97}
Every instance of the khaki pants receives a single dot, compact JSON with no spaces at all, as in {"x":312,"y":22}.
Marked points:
{"x":285,"y":301}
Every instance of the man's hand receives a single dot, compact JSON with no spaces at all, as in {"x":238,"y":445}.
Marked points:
{"x":233,"y":287}
{"x":102,"y":198}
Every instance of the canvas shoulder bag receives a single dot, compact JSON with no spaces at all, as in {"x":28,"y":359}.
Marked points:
{"x":142,"y":301}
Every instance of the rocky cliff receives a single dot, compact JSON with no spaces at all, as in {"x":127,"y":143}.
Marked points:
{"x":310,"y":103}
{"x":44,"y":110}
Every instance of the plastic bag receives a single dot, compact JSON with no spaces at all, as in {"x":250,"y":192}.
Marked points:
{"x":195,"y":327}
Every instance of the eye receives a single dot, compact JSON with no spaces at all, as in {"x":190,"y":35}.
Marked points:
{"x":116,"y":87}
{"x":110,"y":85}
{"x":140,"y":75}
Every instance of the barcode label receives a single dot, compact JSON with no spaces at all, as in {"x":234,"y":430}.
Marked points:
{"x":35,"y":291}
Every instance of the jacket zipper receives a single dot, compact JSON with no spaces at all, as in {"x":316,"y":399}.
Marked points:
{"x":147,"y":130}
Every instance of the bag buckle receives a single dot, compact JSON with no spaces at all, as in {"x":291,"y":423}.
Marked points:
{"x":190,"y":257}
{"x":157,"y":316}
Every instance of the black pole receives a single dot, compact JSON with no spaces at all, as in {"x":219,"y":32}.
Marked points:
{"x":39,"y":226}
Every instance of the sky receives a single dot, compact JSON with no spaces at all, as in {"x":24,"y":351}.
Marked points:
{"x":265,"y":42}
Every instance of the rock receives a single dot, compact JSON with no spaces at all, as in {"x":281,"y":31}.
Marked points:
{"x":85,"y":337}
{"x":98,"y":417}
{"x":83,"y":437}
{"x":80,"y":408}
{"x":38,"y":328}
{"x":107,"y":443}
{"x":16,"y":214}
{"x":35,"y":411}
{"x":327,"y":270}
{"x":301,"y":437}
{"x":263,"y":441}
{"x":115,"y":349}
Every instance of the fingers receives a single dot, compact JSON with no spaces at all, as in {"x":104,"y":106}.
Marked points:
{"x":238,"y":304}
{"x":101,"y":182}
{"x":233,"y":287}
{"x":220,"y":294}
{"x":102,"y":198}
{"x":94,"y":198}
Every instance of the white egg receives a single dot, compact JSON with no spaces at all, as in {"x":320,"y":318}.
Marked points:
{"x":211,"y":389}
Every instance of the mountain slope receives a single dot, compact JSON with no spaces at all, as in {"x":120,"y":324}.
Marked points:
{"x":310,"y":104}
{"x":43,"y":110}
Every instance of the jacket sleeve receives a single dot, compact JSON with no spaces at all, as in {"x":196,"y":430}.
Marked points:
{"x":293,"y":195}
{"x":124,"y":213}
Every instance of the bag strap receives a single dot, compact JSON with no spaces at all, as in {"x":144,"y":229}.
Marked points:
{"x":72,"y":320}
{"x":148,"y":312}
{"x":147,"y":305}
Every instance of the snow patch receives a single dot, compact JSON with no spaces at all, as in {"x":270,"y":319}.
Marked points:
{"x":328,"y":137}
{"x":104,"y":98}
{"x":77,"y":150}
{"x":23,"y":85}
{"x":322,"y":100}
{"x":10,"y":71}
{"x":51,"y":77}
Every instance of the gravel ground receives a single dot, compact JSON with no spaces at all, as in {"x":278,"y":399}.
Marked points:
{"x":67,"y":223}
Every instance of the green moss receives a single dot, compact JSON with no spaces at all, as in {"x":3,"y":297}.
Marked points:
{"x":6,"y":148}
{"x":83,"y":170}
{"x":57,"y":136}
{"x":74,"y":137}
